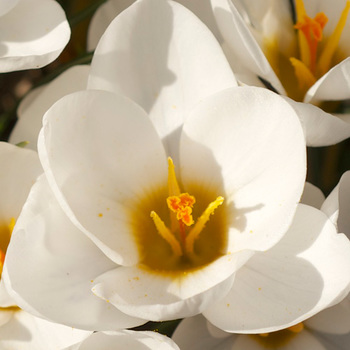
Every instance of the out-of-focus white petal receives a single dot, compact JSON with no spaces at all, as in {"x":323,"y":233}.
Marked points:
{"x":312,"y":196}
{"x":320,"y":128}
{"x":26,"y":332}
{"x":7,"y":5}
{"x":307,"y":271}
{"x":30,"y":120}
{"x":62,"y":265}
{"x":162,"y":57}
{"x":335,"y":320}
{"x":32,"y":35}
{"x":121,"y":340}
{"x":241,"y":144}
{"x":241,"y":42}
{"x":334,"y":85}
{"x":193,"y":334}
{"x":112,"y":155}
{"x":337,"y":205}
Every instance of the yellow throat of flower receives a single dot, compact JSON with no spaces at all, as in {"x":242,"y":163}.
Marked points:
{"x":5,"y":236}
{"x":316,"y":53}
{"x":179,"y":235}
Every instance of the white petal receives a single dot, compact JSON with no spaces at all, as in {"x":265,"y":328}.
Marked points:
{"x":28,"y":126}
{"x":116,"y":157}
{"x":161,"y":56}
{"x":121,"y":340}
{"x":320,"y":128}
{"x":303,"y":340}
{"x":7,"y":5}
{"x":246,"y":144}
{"x":20,"y":168}
{"x":158,"y":297}
{"x":32,"y":35}
{"x":193,"y":334}
{"x":335,"y":320}
{"x":63,"y":264}
{"x":334,"y":85}
{"x":27,"y":332}
{"x":337,"y":204}
{"x":304,"y":273}
{"x":312,"y":196}
{"x":102,"y":18}
{"x":242,"y":44}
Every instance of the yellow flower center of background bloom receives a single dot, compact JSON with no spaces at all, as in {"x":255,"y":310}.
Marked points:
{"x":5,"y":236}
{"x":177,"y":236}
{"x":275,"y":340}
{"x":314,"y":55}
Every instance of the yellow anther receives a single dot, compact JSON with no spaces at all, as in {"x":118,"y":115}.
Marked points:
{"x":166,"y":234}
{"x":182,"y":205}
{"x":305,"y":78}
{"x":202,"y":220}
{"x":296,"y":328}
{"x":325,"y":60}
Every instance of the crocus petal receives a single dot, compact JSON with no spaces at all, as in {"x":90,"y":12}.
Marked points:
{"x":334,"y":85}
{"x":7,"y":5}
{"x":162,"y":57}
{"x":20,"y":168}
{"x":320,"y":128}
{"x":240,"y":143}
{"x":102,"y":18}
{"x":193,"y":334}
{"x":116,"y":157}
{"x":303,"y":340}
{"x":27,"y":332}
{"x":243,"y":46}
{"x":158,"y":297}
{"x":337,"y":204}
{"x":29,"y":124}
{"x":32,"y":35}
{"x":121,"y":340}
{"x":63,"y":264}
{"x":312,"y":196}
{"x":307,"y":271}
{"x":335,"y":320}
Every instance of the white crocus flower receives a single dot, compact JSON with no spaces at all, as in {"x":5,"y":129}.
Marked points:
{"x":19,"y":329}
{"x":236,"y":157}
{"x":121,"y":340}
{"x":32,"y":33}
{"x":307,"y":61}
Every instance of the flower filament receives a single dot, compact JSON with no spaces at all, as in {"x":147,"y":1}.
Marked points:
{"x":5,"y":235}
{"x":180,"y":206}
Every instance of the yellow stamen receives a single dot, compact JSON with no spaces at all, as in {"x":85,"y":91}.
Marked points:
{"x":310,"y":33}
{"x":296,"y":328}
{"x":166,"y":234}
{"x":12,"y":224}
{"x":305,"y":78}
{"x":173,"y":186}
{"x":202,"y":220}
{"x":324,"y":62}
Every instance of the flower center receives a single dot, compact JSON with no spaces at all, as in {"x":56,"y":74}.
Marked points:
{"x":277,"y":339}
{"x":316,"y":56}
{"x":179,"y":236}
{"x":5,"y":235}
